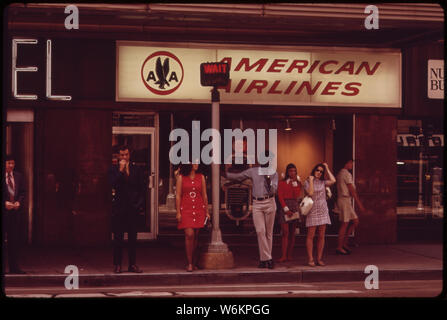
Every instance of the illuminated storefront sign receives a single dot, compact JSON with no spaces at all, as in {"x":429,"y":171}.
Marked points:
{"x":286,"y":76}
{"x":214,"y":74}
{"x":435,"y":79}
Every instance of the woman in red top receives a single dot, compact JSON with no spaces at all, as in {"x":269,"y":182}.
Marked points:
{"x":192,"y":208}
{"x":289,"y":191}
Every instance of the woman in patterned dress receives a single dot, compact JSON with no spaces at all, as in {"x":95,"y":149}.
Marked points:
{"x":192,"y":208}
{"x":318,"y":216}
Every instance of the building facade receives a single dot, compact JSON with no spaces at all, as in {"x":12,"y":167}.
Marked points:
{"x":130,"y":74}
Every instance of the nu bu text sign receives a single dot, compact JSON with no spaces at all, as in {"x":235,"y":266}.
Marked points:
{"x":214,"y":74}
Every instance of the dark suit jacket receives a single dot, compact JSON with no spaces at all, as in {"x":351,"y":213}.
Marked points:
{"x":19,"y":191}
{"x":129,"y":191}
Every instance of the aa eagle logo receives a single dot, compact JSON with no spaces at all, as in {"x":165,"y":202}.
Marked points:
{"x":162,"y":73}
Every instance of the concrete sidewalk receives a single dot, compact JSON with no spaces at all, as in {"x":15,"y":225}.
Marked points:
{"x":163,"y":263}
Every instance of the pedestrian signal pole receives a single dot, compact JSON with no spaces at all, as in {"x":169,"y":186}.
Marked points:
{"x":217,"y":256}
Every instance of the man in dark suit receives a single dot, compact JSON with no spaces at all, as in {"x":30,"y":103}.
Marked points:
{"x":128,"y":200}
{"x":13,"y":202}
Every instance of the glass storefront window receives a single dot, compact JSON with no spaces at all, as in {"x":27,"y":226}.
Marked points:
{"x":420,"y":147}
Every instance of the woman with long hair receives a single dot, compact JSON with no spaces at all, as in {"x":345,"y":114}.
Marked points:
{"x":318,"y":216}
{"x":289,"y":191}
{"x":192,"y":209}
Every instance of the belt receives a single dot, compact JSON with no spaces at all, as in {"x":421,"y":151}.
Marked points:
{"x":264,"y":198}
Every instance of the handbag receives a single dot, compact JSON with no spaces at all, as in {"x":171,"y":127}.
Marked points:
{"x":293,"y":206}
{"x":328,"y":193}
{"x":305,"y":205}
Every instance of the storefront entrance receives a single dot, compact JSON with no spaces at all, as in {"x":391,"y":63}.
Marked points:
{"x":138,"y":131}
{"x":20,"y":143}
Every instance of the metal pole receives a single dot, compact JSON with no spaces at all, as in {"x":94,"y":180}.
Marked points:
{"x":216,"y":244}
{"x":217,"y":255}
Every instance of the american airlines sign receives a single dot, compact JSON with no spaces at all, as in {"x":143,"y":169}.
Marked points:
{"x":260,"y":75}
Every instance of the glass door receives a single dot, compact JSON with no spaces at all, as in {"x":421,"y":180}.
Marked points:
{"x":141,"y":141}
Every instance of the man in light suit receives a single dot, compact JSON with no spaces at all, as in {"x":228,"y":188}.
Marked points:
{"x":13,"y":203}
{"x":264,"y":188}
{"x":127,"y":184}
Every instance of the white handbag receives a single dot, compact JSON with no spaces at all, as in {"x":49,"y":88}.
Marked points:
{"x":328,"y":193}
{"x":305,"y":205}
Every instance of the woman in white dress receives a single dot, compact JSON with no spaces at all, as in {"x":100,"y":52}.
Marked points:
{"x":318,"y":216}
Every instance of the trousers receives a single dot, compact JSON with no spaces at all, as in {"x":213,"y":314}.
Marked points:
{"x":120,"y":226}
{"x":264,"y":218}
{"x":11,"y":234}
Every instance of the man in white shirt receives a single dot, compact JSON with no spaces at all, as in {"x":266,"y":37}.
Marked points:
{"x":264,"y":188}
{"x":345,"y":192}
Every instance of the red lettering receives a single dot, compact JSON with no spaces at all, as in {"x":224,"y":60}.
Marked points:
{"x":259,"y":85}
{"x":245,"y":62}
{"x":273,"y":88}
{"x":330,"y":86}
{"x":348,"y":66}
{"x":277,"y":63}
{"x":208,"y":68}
{"x":290,"y":87}
{"x":313,"y":66}
{"x":298,"y":64}
{"x":365,"y":65}
{"x":227,"y":60}
{"x":351,"y":87}
{"x":215,"y":68}
{"x":324,"y":64}
{"x":240,"y":85}
{"x":307,"y":85}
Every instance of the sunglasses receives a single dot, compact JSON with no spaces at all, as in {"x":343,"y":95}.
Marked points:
{"x":321,"y":171}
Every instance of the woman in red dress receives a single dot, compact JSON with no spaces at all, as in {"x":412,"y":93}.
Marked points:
{"x":192,"y":208}
{"x":289,"y":191}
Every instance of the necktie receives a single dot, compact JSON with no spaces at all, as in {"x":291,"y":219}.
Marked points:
{"x":11,"y":188}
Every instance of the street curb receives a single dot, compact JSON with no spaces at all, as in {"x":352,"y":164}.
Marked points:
{"x":217,"y":277}
{"x":384,"y":275}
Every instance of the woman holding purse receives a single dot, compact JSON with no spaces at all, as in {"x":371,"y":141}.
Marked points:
{"x":289,"y":191}
{"x":318,"y":216}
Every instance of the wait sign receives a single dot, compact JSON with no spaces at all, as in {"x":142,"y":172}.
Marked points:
{"x":214,"y":74}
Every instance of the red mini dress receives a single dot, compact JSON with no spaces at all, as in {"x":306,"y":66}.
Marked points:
{"x":192,"y":206}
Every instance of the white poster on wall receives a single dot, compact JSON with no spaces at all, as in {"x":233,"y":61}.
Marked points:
{"x":435,"y":79}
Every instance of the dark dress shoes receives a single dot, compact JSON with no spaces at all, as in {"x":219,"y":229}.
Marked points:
{"x":134,"y":268}
{"x":270,"y":264}
{"x":341,"y":252}
{"x":262,"y":264}
{"x":117,"y":269}
{"x":17,"y":271}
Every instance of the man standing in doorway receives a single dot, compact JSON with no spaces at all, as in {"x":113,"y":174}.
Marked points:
{"x":264,"y":188}
{"x":13,"y":202}
{"x":345,"y":192}
{"x":128,"y":201}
